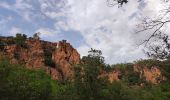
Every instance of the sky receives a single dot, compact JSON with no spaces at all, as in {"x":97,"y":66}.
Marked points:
{"x":84,"y":23}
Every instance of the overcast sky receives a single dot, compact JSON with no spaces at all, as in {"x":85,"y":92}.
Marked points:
{"x":84,"y":23}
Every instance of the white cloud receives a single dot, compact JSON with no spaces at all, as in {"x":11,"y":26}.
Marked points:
{"x":83,"y":49}
{"x":3,"y":20}
{"x":112,"y":28}
{"x":21,"y":7}
{"x":106,"y":28}
{"x":45,"y":32}
{"x":15,"y":30}
{"x":5,"y":5}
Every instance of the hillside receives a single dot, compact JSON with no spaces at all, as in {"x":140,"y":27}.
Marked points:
{"x":56,"y":58}
{"x":25,"y":64}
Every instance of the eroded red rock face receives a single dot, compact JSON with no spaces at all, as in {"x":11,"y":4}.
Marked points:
{"x":152,"y":75}
{"x":63,"y":55}
{"x":54,"y":73}
{"x":32,"y":56}
{"x":111,"y":76}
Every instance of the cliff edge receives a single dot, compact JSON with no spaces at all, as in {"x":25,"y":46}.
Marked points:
{"x":56,"y":58}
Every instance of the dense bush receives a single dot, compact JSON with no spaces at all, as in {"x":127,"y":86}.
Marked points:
{"x":18,"y":83}
{"x":147,"y":63}
{"x":127,"y":73}
{"x":1,"y":45}
{"x":20,"y":40}
{"x":165,"y":68}
{"x":48,"y":59}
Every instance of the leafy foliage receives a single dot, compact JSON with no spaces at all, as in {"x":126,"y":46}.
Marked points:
{"x":20,"y":40}
{"x":22,"y":84}
{"x":148,"y":63}
{"x":127,"y":74}
{"x":48,"y":59}
{"x":36,"y":36}
{"x":1,"y":45}
{"x":92,"y":65}
{"x":165,"y":68}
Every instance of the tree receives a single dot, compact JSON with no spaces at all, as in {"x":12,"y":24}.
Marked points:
{"x":48,"y":58}
{"x":19,"y":83}
{"x":116,"y":2}
{"x":20,"y":39}
{"x":1,"y":45}
{"x":153,"y":26}
{"x":157,"y":45}
{"x":160,"y":48}
{"x":24,"y":36}
{"x":94,"y":55}
{"x":37,"y":36}
{"x":86,"y":76}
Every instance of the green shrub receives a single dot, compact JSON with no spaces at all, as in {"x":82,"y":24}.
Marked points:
{"x":4,"y":73}
{"x":20,"y":40}
{"x":18,"y":83}
{"x":147,"y":63}
{"x":134,"y":78}
{"x":48,"y":50}
{"x":48,"y":59}
{"x":165,"y":68}
{"x":1,"y":45}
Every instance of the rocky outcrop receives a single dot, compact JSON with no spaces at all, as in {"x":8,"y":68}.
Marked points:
{"x":112,"y":76}
{"x":55,"y":74}
{"x":32,"y":56}
{"x":62,"y":54}
{"x":65,"y":56}
{"x":152,"y":75}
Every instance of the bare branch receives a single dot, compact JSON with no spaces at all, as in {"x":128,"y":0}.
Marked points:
{"x":112,"y":3}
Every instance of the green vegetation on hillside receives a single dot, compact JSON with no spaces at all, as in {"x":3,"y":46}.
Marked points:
{"x":19,"y":83}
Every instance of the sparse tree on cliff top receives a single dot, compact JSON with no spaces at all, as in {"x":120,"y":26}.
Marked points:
{"x":20,"y":39}
{"x":37,"y":35}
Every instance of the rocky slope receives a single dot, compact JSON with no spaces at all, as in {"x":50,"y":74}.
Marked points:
{"x":151,"y":75}
{"x":56,"y":58}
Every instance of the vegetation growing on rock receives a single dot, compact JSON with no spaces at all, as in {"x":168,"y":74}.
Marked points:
{"x":91,"y":78}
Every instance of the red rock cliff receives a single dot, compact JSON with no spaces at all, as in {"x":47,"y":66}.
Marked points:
{"x":65,"y":56}
{"x":33,"y":56}
{"x":152,"y":75}
{"x":62,"y":57}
